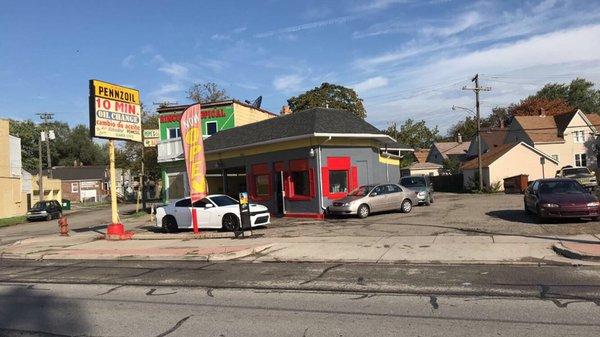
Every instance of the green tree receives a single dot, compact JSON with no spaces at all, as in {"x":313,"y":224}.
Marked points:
{"x":415,"y":134}
{"x":451,"y":165}
{"x":130,"y":155}
{"x":206,"y":93}
{"x":467,"y":129}
{"x":329,"y":96}
{"x":579,"y":94}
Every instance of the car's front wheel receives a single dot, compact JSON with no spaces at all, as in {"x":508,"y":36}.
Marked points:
{"x":49,"y":217}
{"x":363,"y":211}
{"x":170,"y":224}
{"x":406,"y":206}
{"x":230,"y":222}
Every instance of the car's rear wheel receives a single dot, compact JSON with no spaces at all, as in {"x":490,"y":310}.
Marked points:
{"x":170,"y":224}
{"x":363,"y":211}
{"x":406,"y":206}
{"x":230,"y":222}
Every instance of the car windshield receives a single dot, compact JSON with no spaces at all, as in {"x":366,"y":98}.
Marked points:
{"x":561,"y":187}
{"x":223,"y":200}
{"x":361,"y":191}
{"x":413,"y":182}
{"x":574,"y":171}
{"x":39,"y":205}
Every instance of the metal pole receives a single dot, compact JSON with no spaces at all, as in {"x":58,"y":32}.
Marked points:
{"x":142,"y":185}
{"x":113,"y":182}
{"x":476,"y":80}
{"x":40,"y":174}
{"x":49,"y":160}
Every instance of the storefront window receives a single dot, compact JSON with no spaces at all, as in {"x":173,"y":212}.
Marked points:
{"x":211,"y":128}
{"x":338,"y":181}
{"x":301,"y":183}
{"x":262,"y":184}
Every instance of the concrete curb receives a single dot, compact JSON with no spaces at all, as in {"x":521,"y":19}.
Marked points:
{"x":573,"y":253}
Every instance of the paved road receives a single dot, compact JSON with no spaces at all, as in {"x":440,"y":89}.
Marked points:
{"x":102,"y":310}
{"x":179,"y":298}
{"x":85,"y":219}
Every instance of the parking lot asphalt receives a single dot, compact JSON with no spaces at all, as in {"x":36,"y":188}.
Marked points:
{"x":470,"y":214}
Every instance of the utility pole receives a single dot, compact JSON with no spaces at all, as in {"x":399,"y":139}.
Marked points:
{"x":46,"y":116}
{"x":40,"y":173}
{"x":477,"y":89}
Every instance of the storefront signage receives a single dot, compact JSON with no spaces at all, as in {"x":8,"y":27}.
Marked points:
{"x":88,"y":185}
{"x":193,"y":149}
{"x":213,"y":113}
{"x":151,"y":137}
{"x":115,"y":112}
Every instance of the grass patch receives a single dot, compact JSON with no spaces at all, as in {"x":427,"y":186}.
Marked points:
{"x":15,"y":220}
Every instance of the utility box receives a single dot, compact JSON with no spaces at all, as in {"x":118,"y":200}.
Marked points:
{"x":516,"y":184}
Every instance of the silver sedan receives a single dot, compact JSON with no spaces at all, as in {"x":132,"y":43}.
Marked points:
{"x":375,"y":198}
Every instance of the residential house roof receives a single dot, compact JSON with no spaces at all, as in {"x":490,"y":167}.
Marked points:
{"x":452,"y":148}
{"x":425,"y":166}
{"x":594,"y":119}
{"x":540,"y":129}
{"x":302,"y":124}
{"x":79,"y":172}
{"x":421,"y":155}
{"x":494,"y":154}
{"x":493,"y":137}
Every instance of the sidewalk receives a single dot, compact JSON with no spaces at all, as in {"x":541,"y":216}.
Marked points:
{"x":453,"y":249}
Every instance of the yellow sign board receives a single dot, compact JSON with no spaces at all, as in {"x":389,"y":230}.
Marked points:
{"x":115,"y":112}
{"x":116,"y":92}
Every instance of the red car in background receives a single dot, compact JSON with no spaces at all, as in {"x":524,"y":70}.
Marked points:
{"x":560,"y":198}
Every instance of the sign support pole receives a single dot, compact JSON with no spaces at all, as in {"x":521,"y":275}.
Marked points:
{"x":115,"y":230}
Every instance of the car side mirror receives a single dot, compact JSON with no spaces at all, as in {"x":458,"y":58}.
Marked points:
{"x":374,"y":194}
{"x":208,"y":206}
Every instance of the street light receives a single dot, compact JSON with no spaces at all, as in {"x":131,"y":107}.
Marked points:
{"x":479,"y":168}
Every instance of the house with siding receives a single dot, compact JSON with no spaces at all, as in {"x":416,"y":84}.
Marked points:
{"x":568,"y":138}
{"x":441,"y":151}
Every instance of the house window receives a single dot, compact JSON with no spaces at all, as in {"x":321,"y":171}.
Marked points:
{"x":211,"y":128}
{"x":260,"y":182}
{"x":338,"y":181}
{"x":555,"y":157}
{"x":300,"y":180}
{"x":579,"y":136}
{"x":581,"y":159}
{"x":74,"y":187}
{"x":300,"y":183}
{"x":173,"y":133}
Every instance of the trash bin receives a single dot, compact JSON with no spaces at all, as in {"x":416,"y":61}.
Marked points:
{"x":66,"y":204}
{"x":516,"y":184}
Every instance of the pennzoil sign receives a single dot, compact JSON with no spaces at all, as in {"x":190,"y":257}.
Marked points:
{"x":115,"y":112}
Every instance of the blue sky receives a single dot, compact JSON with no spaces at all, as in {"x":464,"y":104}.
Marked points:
{"x":406,"y":59}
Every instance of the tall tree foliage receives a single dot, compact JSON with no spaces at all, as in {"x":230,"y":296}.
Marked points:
{"x":415,"y":134}
{"x":69,"y":146}
{"x":130,"y":155}
{"x":329,"y":95}
{"x":579,"y":94}
{"x":206,"y":93}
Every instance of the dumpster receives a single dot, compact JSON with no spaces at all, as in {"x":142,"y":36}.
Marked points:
{"x":66,"y":204}
{"x":516,"y":184}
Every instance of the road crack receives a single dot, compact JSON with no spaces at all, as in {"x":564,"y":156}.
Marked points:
{"x":175,"y":327}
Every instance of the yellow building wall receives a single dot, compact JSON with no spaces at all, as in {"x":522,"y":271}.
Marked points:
{"x":12,"y":201}
{"x":52,"y":189}
{"x":243,"y":115}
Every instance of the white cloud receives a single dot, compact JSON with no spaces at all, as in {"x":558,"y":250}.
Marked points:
{"x":220,"y":37}
{"x":513,"y":70}
{"x":370,"y":83}
{"x":378,"y":5}
{"x":310,"y":25}
{"x":544,"y":5}
{"x":175,"y":70}
{"x":458,"y":25}
{"x":288,"y":83}
{"x":128,"y":61}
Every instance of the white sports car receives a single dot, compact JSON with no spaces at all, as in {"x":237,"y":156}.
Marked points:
{"x":214,"y":211}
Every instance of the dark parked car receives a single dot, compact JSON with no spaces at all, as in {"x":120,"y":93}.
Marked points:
{"x":45,"y":210}
{"x":420,"y":184}
{"x":560,"y":198}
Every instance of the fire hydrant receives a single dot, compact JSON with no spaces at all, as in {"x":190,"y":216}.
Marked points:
{"x":63,"y":226}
